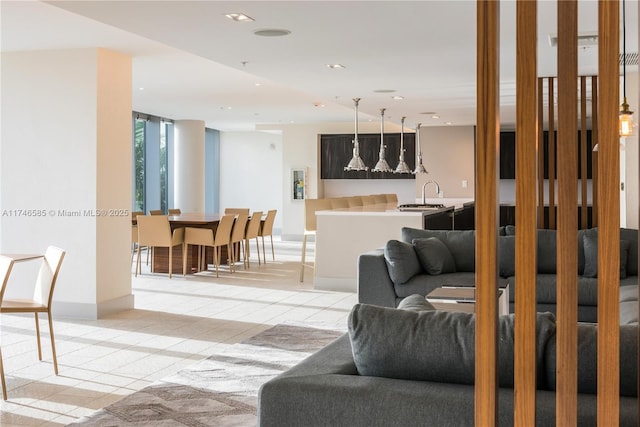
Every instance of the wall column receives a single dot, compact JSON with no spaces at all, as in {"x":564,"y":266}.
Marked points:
{"x":188,"y":161}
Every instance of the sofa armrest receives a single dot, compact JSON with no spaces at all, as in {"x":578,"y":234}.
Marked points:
{"x":374,"y":283}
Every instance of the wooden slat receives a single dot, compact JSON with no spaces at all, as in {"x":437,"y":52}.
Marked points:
{"x":609,"y":214}
{"x":486,"y":195}
{"x":552,"y":155}
{"x":594,"y":154}
{"x":540,"y":152}
{"x":583,"y":151}
{"x":567,"y":226}
{"x":527,"y":140}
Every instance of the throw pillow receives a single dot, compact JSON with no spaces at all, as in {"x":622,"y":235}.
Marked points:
{"x":591,"y":256}
{"x":415,"y":302}
{"x":402,"y":261}
{"x":434,"y":256}
{"x":507,"y":255}
{"x":546,"y":251}
{"x":432,"y":345}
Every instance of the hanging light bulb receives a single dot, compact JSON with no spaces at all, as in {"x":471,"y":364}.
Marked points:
{"x":382,"y":165}
{"x":402,"y":165}
{"x":356,"y":163}
{"x":419,"y":166}
{"x":625,"y":118}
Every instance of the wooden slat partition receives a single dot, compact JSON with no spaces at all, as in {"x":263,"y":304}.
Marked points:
{"x":540,"y":152}
{"x":486,"y":196}
{"x":527,"y":140}
{"x":594,"y":154}
{"x":552,"y":154}
{"x":609,"y":215}
{"x":583,"y":152}
{"x":567,"y":226}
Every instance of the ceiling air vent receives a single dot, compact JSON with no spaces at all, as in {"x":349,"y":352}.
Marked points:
{"x":632,"y":58}
{"x":584,"y":39}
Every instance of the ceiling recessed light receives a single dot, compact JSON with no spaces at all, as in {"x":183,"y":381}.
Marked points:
{"x":435,"y":116}
{"x":140,"y":88}
{"x":448,"y":123}
{"x":318,"y":104}
{"x":272,"y":32}
{"x":334,"y":66}
{"x":258,"y":84}
{"x":397,"y":97}
{"x":239,"y":17}
{"x":384,"y":90}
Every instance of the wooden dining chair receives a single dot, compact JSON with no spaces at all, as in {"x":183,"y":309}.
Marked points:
{"x":204,"y":237}
{"x":175,"y":211}
{"x":266,"y":229}
{"x":237,"y":241}
{"x":236,"y":211}
{"x":6,"y":264}
{"x":253,"y":229}
{"x":155,"y":231}
{"x":41,"y":300}
{"x":156,"y":212}
{"x":134,"y":233}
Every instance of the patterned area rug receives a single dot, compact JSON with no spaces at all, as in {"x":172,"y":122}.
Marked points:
{"x":221,"y":390}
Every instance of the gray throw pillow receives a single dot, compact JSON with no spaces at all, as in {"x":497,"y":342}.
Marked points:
{"x":591,"y":256}
{"x":546,"y":251}
{"x":402,"y":261}
{"x":507,"y":255}
{"x":432,"y":345}
{"x":434,"y":256}
{"x":415,"y":302}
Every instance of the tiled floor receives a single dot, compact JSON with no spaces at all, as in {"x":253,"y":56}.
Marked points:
{"x":176,"y":323}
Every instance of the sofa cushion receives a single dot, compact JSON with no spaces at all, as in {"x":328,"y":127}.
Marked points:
{"x":415,"y":302}
{"x":590,"y":242}
{"x":632,"y":260}
{"x":507,"y":245}
{"x":402,"y":261}
{"x":546,"y":251}
{"x":434,"y":256}
{"x":588,"y":360}
{"x":461,"y":244}
{"x":431,"y":345}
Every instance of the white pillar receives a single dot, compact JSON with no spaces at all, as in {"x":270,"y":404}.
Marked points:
{"x":65,"y":178}
{"x":188,"y":161}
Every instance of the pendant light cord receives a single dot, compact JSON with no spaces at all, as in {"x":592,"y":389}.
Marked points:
{"x":624,"y":52}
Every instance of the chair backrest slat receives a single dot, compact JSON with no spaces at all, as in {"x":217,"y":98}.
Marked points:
{"x":239,"y":228}
{"x":254,"y":225}
{"x":154,"y":230}
{"x":6,"y":264}
{"x":48,"y":275}
{"x":267,"y":225}
{"x":223,"y":232}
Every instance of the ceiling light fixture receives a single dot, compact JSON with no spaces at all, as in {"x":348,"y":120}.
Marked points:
{"x":419,"y":166}
{"x":335,"y":66}
{"x":272,"y":32}
{"x":435,"y":116}
{"x":402,"y":165}
{"x":397,"y":97}
{"x":239,"y":17}
{"x":626,"y":119}
{"x":356,"y":163}
{"x":382,"y":165}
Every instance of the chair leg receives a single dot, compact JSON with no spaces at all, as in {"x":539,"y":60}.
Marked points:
{"x":304,"y":253}
{"x":258,"y":250}
{"x":170,"y":261}
{"x":138,"y":263}
{"x":264,"y":257}
{"x":38,"y":336}
{"x":184,"y":259}
{"x":53,"y":344}
{"x":4,"y":385}
{"x":215,"y":259}
{"x":273,"y":254}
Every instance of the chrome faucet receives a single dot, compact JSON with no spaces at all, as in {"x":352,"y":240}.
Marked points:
{"x":424,"y":186}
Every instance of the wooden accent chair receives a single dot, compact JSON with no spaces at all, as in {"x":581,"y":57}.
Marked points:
{"x":204,"y":237}
{"x":253,"y":230}
{"x":266,"y":229}
{"x":237,"y":241}
{"x":155,"y":231}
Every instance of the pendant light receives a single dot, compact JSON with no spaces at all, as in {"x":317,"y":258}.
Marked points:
{"x":419,"y":166}
{"x":402,"y":165}
{"x":626,"y":119}
{"x":356,"y":163}
{"x":382,"y":165}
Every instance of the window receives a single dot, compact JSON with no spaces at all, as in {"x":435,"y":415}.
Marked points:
{"x":139,"y":165}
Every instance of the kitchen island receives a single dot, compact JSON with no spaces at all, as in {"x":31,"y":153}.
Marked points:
{"x":343,"y":234}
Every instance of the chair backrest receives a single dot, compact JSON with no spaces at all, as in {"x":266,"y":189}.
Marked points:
{"x":239,"y":228}
{"x":392,"y":198}
{"x":368,"y":200}
{"x":175,"y":211}
{"x":48,"y":275}
{"x":380,"y":199}
{"x":253,"y":229}
{"x":267,"y":224}
{"x":134,"y":234}
{"x":154,"y":230}
{"x":236,"y":211}
{"x":355,"y":201}
{"x":339,"y":203}
{"x":223,"y":232}
{"x":310,"y":208}
{"x":198,"y":236}
{"x":6,"y":264}
{"x":156,"y":212}
{"x":135,"y":214}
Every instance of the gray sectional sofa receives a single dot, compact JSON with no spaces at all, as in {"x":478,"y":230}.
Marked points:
{"x":379,"y":374}
{"x":424,"y":260}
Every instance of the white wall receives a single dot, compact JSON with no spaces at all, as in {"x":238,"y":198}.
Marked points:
{"x":251,"y":172}
{"x":630,"y":154}
{"x":65,"y":151}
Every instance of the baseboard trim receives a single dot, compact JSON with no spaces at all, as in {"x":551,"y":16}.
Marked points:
{"x":75,"y":310}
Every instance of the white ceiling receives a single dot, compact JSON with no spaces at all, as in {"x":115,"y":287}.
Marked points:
{"x":194,"y":63}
